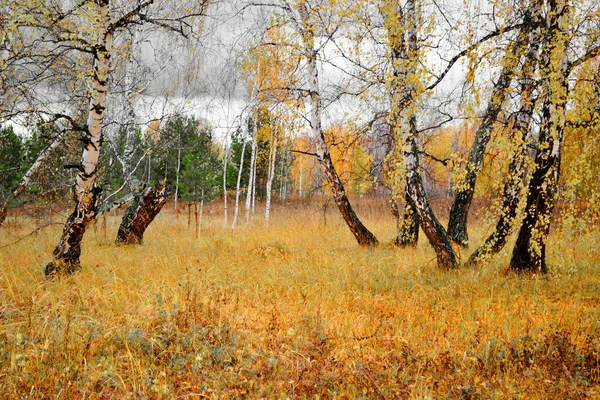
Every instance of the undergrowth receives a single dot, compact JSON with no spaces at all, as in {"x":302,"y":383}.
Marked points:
{"x":298,"y":311}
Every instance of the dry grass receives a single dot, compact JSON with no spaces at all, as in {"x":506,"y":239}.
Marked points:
{"x":299,"y":311}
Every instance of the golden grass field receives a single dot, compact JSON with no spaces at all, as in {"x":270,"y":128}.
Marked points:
{"x":298,"y":311}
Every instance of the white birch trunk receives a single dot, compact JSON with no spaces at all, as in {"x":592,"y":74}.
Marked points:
{"x":251,"y":178}
{"x":270,"y":176}
{"x":401,"y":25}
{"x":37,"y":164}
{"x":225,"y":210}
{"x":238,"y":185}
{"x":177,"y":173}
{"x":301,"y":178}
{"x":85,"y":193}
{"x":362,"y":235}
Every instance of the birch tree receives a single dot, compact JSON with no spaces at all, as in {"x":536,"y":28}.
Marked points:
{"x":529,"y":252}
{"x":73,"y":45}
{"x":401,"y":25}
{"x":520,"y":127}
{"x":464,"y":190}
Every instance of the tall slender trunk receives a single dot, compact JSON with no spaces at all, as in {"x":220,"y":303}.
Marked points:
{"x":199,"y":228}
{"x":270,"y":176}
{"x":127,"y":101}
{"x":225,"y":196}
{"x":363,"y":236}
{"x":252,"y":177}
{"x":402,"y":35}
{"x":178,"y":168}
{"x":85,"y":193}
{"x":283,"y":180}
{"x":529,"y":253}
{"x":457,"y":224}
{"x":515,"y":179}
{"x":300,"y":192}
{"x":238,"y":186}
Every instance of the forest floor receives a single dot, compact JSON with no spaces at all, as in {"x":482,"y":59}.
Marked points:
{"x":295,"y":311}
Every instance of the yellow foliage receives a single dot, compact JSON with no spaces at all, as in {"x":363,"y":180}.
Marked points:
{"x":351,"y":162}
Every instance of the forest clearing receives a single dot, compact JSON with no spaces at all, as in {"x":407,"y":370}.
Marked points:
{"x":345,"y":199}
{"x":298,"y":311}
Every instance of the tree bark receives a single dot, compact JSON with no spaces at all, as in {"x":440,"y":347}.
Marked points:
{"x":3,"y":214}
{"x":363,"y":236}
{"x":408,"y":227}
{"x":529,"y":253}
{"x":85,"y":193}
{"x":140,"y":213}
{"x":147,"y":202}
{"x":433,"y":229}
{"x":401,"y":26}
{"x":270,"y":176}
{"x":457,"y":223}
{"x":27,"y":176}
{"x":176,"y":197}
{"x":238,"y":185}
{"x":251,"y":177}
{"x":516,"y":182}
{"x":225,"y":195}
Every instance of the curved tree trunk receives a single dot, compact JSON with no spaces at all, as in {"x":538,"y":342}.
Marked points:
{"x":32,"y":170}
{"x":513,"y":189}
{"x":140,"y":213}
{"x":147,"y":202}
{"x":85,"y":193}
{"x":457,"y":223}
{"x":363,"y":236}
{"x":66,"y":254}
{"x":529,"y":253}
{"x":515,"y":183}
{"x":402,"y":35}
{"x":433,"y":229}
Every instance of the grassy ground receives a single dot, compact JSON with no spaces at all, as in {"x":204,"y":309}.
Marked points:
{"x":297,"y":311}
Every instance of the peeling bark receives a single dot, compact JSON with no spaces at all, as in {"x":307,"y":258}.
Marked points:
{"x":85,"y":194}
{"x":66,"y":254}
{"x":140,"y":213}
